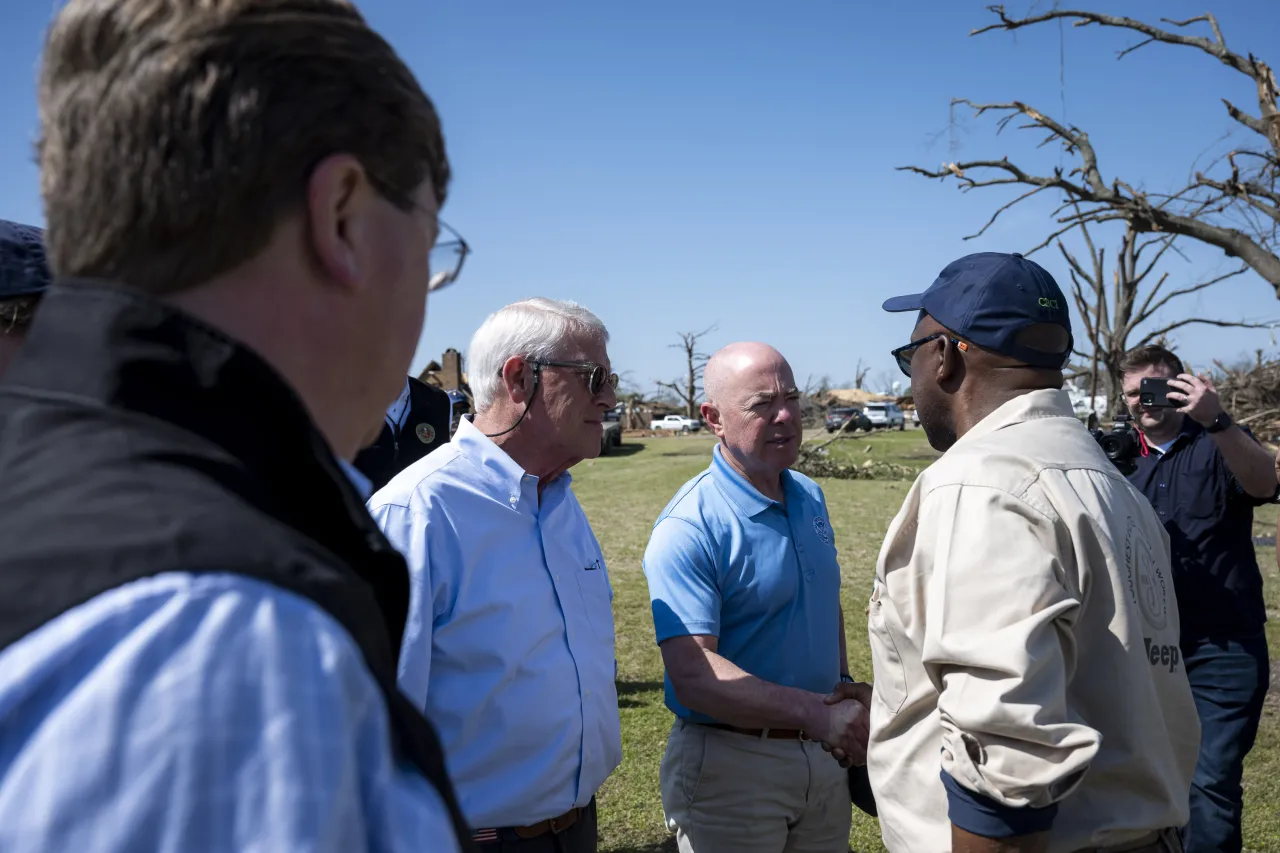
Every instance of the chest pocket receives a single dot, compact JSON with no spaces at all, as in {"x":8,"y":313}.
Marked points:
{"x":1202,"y":494}
{"x":597,"y":600}
{"x":890,"y":685}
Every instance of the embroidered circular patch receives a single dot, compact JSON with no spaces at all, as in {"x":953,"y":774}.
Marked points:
{"x":820,"y":527}
{"x":426,"y":433}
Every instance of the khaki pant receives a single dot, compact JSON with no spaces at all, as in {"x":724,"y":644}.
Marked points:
{"x":724,"y":791}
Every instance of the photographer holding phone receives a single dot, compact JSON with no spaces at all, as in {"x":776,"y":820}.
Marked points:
{"x":1204,"y":475}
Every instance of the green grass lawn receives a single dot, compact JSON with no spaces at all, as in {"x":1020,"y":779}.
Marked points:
{"x":623,"y":494}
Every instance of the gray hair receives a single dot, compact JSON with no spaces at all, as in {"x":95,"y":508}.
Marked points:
{"x":536,"y":328}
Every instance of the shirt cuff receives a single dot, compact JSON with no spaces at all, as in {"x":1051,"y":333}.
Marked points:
{"x":980,"y":815}
{"x":674,"y":626}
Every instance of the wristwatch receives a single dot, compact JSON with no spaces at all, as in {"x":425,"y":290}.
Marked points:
{"x":846,"y":678}
{"x":1221,"y":422}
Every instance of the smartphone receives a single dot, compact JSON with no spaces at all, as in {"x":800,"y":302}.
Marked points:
{"x":1154,"y":394}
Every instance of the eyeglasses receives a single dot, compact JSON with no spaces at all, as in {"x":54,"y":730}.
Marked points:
{"x":447,"y":259}
{"x":904,"y":354}
{"x":596,"y":375}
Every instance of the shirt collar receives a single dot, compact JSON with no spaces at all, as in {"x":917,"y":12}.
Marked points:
{"x":398,"y":409}
{"x":364,"y":486}
{"x":1189,"y":430}
{"x":738,"y":489}
{"x":1043,"y":403}
{"x":507,"y":479}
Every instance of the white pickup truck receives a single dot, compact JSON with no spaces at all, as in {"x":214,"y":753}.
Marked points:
{"x":677,"y":423}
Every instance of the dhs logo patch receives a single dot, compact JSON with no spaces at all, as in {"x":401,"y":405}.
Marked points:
{"x":823,"y":529}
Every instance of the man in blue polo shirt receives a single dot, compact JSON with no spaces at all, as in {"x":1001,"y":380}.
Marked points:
{"x":1204,"y":475}
{"x":745,"y":590}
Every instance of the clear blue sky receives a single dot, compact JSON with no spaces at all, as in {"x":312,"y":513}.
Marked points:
{"x":674,"y":165}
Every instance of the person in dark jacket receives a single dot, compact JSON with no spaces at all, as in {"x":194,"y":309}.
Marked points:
{"x":199,"y":621}
{"x":415,"y":424}
{"x":24,"y":275}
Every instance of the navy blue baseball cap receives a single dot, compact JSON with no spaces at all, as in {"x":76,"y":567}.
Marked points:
{"x":988,"y":298}
{"x":23,"y":267}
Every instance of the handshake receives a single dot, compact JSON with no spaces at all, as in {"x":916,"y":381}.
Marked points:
{"x":842,"y":723}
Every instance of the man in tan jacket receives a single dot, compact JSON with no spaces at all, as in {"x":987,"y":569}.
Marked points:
{"x":1028,"y":690}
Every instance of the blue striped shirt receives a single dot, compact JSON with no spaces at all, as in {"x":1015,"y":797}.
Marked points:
{"x":186,"y":713}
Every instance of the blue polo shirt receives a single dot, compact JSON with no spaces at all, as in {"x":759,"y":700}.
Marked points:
{"x":727,"y":561}
{"x":1209,"y":517}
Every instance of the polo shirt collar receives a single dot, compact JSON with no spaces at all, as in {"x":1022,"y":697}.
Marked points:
{"x":1044,"y":403}
{"x":507,"y":481}
{"x":746,"y":497}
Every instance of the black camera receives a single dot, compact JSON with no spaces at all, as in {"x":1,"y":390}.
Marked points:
{"x":1121,"y":445}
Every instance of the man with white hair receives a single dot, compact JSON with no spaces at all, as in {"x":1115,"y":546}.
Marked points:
{"x":509,"y":646}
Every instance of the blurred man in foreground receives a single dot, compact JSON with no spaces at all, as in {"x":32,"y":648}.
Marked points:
{"x":24,"y":276}
{"x":509,"y":645}
{"x":1029,"y":693}
{"x":199,"y":622}
{"x":745,"y":590}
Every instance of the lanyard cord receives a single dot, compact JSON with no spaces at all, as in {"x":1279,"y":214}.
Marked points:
{"x":537,"y":375}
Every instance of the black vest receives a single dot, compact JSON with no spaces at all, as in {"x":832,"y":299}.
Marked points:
{"x":138,"y":441}
{"x":424,"y":427}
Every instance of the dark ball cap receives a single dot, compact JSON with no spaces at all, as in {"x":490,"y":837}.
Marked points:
{"x":988,"y":298}
{"x":23,"y":267}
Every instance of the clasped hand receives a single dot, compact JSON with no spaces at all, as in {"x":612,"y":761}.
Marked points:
{"x":845,"y":723}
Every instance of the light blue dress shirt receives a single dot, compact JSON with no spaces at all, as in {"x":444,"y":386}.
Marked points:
{"x":726,"y":561}
{"x":214,"y":712}
{"x":184,"y":713}
{"x":509,"y":643}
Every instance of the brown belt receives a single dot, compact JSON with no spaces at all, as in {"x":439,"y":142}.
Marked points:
{"x":553,"y":825}
{"x":784,"y":734}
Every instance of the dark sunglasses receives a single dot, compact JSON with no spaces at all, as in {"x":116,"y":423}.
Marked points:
{"x":596,"y":375}
{"x":904,"y":354}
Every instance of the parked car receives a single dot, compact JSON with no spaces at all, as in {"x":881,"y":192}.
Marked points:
{"x":836,"y":418}
{"x":886,"y":415}
{"x":611,"y":435}
{"x":677,"y":423}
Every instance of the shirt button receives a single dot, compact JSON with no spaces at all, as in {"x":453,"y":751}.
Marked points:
{"x":801,"y":548}
{"x":588,"y":692}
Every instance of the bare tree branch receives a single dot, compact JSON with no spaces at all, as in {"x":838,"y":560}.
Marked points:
{"x":1168,"y":244}
{"x":1224,"y":324}
{"x":1216,"y":48}
{"x":1147,"y":312}
{"x":1117,"y":200}
{"x":860,"y":374}
{"x":1239,"y":213}
{"x":689,"y":389}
